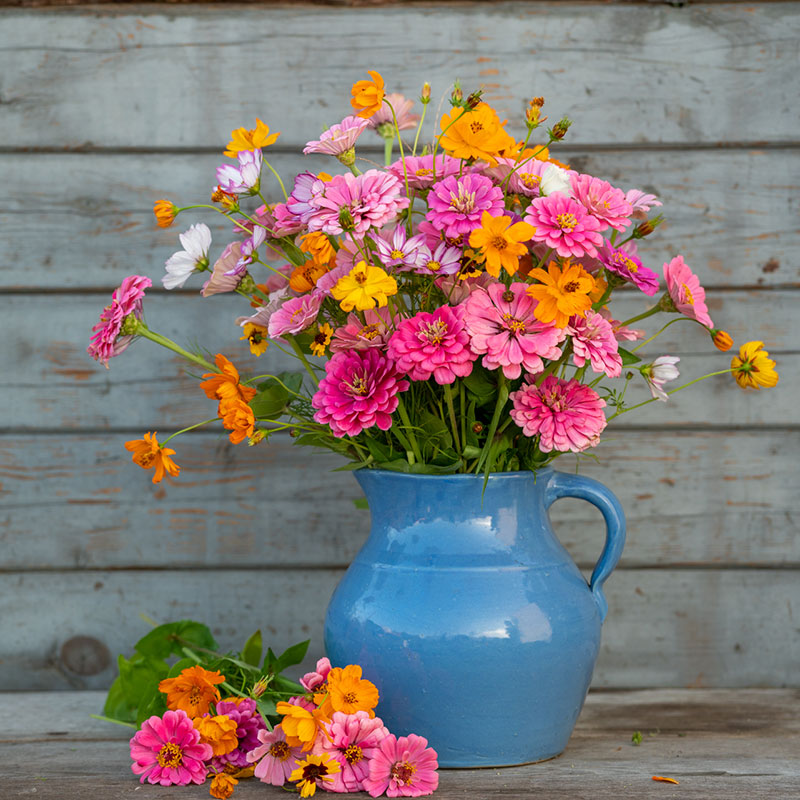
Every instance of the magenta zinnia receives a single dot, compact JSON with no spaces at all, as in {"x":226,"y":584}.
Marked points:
{"x":110,"y":337}
{"x":404,"y":767}
{"x":622,"y":261}
{"x":567,"y":415}
{"x":360,"y":390}
{"x":249,"y":723}
{"x":456,"y":204}
{"x":565,"y":225}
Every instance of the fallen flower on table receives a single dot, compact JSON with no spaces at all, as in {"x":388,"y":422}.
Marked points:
{"x":664,"y":780}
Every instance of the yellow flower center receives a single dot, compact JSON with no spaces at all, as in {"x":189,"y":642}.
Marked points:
{"x":396,"y":254}
{"x":529,"y":180}
{"x":402,"y":772}
{"x":369,"y":332}
{"x":464,"y":202}
{"x":353,"y":754}
{"x":357,"y":386}
{"x":279,"y":750}
{"x":625,"y":262}
{"x":434,"y":266}
{"x":499,"y":243}
{"x":687,"y":295}
{"x":423,"y":172}
{"x":566,"y":222}
{"x":513,"y":324}
{"x":434,"y":333}
{"x":170,"y":755}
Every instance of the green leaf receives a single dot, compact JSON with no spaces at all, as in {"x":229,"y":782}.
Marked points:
{"x":293,"y":252}
{"x":471,"y":451}
{"x":138,"y":679}
{"x":251,"y":652}
{"x":350,"y":467}
{"x":162,"y":641}
{"x":292,"y":380}
{"x":361,"y":502}
{"x":628,"y":357}
{"x":271,"y":401}
{"x":480,"y":385}
{"x":292,"y":655}
{"x":378,"y":450}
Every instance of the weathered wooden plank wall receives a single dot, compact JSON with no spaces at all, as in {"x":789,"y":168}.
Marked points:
{"x":104,"y":109}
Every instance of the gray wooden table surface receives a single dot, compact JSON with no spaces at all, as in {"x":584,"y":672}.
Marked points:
{"x":720,"y":744}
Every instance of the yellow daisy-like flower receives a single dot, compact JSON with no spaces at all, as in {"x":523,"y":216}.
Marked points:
{"x":349,"y":692}
{"x":368,"y":95}
{"x":561,"y":293}
{"x":322,"y":339}
{"x":500,"y":242}
{"x":253,"y":139}
{"x":475,"y":134}
{"x":753,"y":368}
{"x":256,"y":335}
{"x":300,"y":726}
{"x":312,"y":770}
{"x":365,"y":286}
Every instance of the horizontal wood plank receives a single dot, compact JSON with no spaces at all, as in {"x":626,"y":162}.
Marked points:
{"x":691,"y":498}
{"x":96,"y":76}
{"x":731,"y":213}
{"x":677,"y":628}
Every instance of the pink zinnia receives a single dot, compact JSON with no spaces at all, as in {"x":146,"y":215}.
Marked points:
{"x":360,"y":390}
{"x":357,"y":203}
{"x":433,"y":343}
{"x":338,"y":138}
{"x":249,"y":723}
{"x":276,"y":759}
{"x":354,"y":740}
{"x":295,"y":315}
{"x":311,"y":680}
{"x":404,"y":767}
{"x":525,"y":176}
{"x":622,"y":333}
{"x":641,"y":202}
{"x":455,"y":205}
{"x":567,"y":415}
{"x":686,"y":292}
{"x":593,"y":339}
{"x":622,"y":261}
{"x":402,"y":110}
{"x":168,"y":750}
{"x":602,"y":200}
{"x":106,"y":341}
{"x":565,"y":225}
{"x":357,"y":335}
{"x":419,"y":170}
{"x":501,"y":324}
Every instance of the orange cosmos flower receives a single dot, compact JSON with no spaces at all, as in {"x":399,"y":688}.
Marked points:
{"x":219,"y":732}
{"x":475,"y":134}
{"x":254,"y":139}
{"x":192,"y":691}
{"x":222,"y":786}
{"x":368,"y":95}
{"x":238,"y":418}
{"x":318,"y":246}
{"x":165,"y":211}
{"x":304,"y":278}
{"x":301,"y":725}
{"x":561,"y":293}
{"x":500,"y":242}
{"x":149,"y":454}
{"x":348,"y":692}
{"x":753,"y":368}
{"x":225,"y":385}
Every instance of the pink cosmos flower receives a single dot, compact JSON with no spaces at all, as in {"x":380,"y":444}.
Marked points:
{"x":248,"y":251}
{"x":433,"y":343}
{"x":276,"y":759}
{"x":401,"y":251}
{"x":243,"y":179}
{"x":420,"y":170}
{"x":357,"y":335}
{"x":602,"y":200}
{"x":622,"y":261}
{"x":284,"y":222}
{"x":567,"y":415}
{"x":295,"y":315}
{"x":311,"y":680}
{"x":307,"y":187}
{"x":302,"y":702}
{"x":249,"y":723}
{"x":501,"y":324}
{"x":565,"y":225}
{"x":264,"y":313}
{"x":443,"y":260}
{"x":360,"y":390}
{"x":640,"y":202}
{"x":686,"y":292}
{"x":338,"y":138}
{"x":168,"y":750}
{"x":525,"y":178}
{"x":622,"y":333}
{"x":402,"y":109}
{"x":455,"y":205}
{"x":354,"y":740}
{"x":661,"y":370}
{"x":106,"y":341}
{"x":224,"y":277}
{"x":404,"y":767}
{"x":593,"y":339}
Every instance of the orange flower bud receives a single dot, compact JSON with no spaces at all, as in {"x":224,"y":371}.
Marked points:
{"x":722,"y":340}
{"x":425,"y":97}
{"x":165,"y":211}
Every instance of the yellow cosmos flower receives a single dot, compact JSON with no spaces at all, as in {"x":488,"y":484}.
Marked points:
{"x":500,"y":242}
{"x":365,"y":286}
{"x":368,"y":95}
{"x":256,"y":335}
{"x":475,"y":134}
{"x":561,"y":293}
{"x":149,"y":454}
{"x":253,"y":139}
{"x":312,"y":769}
{"x":753,"y":368}
{"x":322,"y":339}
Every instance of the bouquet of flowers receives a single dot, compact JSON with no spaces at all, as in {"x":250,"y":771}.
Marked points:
{"x":450,"y":312}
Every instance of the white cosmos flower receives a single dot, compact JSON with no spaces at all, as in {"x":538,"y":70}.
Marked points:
{"x":555,"y":179}
{"x":194,"y":256}
{"x":663,"y":369}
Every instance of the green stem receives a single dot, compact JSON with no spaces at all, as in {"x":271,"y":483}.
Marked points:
{"x":502,"y":396}
{"x":190,"y":428}
{"x":301,"y":355}
{"x":145,"y":332}
{"x":649,"y":313}
{"x":115,"y":721}
{"x":448,"y":396}
{"x":523,"y":163}
{"x":283,"y":188}
{"x":409,"y":429}
{"x":656,"y":335}
{"x":462,"y":400}
{"x":387,"y":150}
{"x":400,"y":144}
{"x":419,"y":128}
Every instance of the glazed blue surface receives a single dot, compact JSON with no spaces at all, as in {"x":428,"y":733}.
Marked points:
{"x":468,"y":614}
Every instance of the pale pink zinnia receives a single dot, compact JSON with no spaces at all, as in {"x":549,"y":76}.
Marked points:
{"x":168,"y":750}
{"x":354,"y":740}
{"x":402,"y":111}
{"x":565,"y":225}
{"x":686,"y":292}
{"x":374,"y":331}
{"x":433,"y":344}
{"x":641,"y":202}
{"x":404,"y":767}
{"x":419,"y":170}
{"x":602,"y":200}
{"x":501,"y":324}
{"x":338,"y":138}
{"x":567,"y":415}
{"x":295,"y":315}
{"x":455,"y":205}
{"x":275,"y":759}
{"x":593,"y":339}
{"x":106,"y":341}
{"x":661,"y":370}
{"x":360,"y":390}
{"x":526,"y":176}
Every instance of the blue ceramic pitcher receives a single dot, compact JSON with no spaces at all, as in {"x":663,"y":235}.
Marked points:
{"x":473,"y":621}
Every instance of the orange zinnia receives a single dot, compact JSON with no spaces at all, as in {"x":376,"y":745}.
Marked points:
{"x":219,"y":732}
{"x":253,"y":139}
{"x":165,"y":211}
{"x":475,"y":134}
{"x":224,"y":385}
{"x":300,"y":725}
{"x":368,"y":95}
{"x":222,"y":786}
{"x":500,"y":242}
{"x":561,"y":293}
{"x":348,"y":692}
{"x":192,"y":691}
{"x":149,"y":454}
{"x":238,"y":418}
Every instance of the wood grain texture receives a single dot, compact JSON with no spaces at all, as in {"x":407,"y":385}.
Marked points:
{"x":691,"y":498}
{"x":665,"y":627}
{"x":731,"y":213}
{"x":95,"y":77}
{"x":720,"y":745}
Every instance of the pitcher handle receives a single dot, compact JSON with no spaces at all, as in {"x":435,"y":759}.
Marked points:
{"x":563,"y":484}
